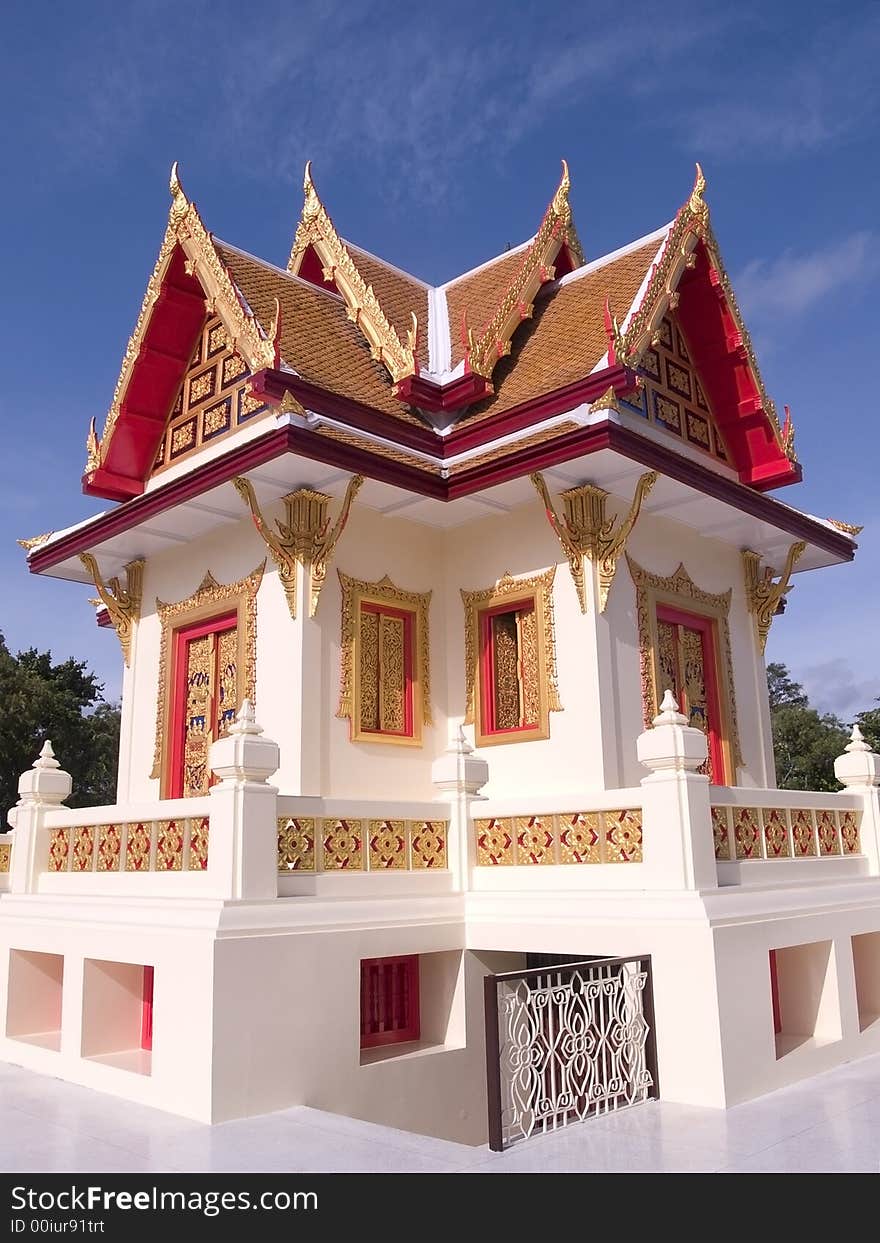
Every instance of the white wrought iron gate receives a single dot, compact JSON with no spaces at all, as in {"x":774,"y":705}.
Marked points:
{"x":566,"y":1042}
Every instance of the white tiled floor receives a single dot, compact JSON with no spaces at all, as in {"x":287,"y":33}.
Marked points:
{"x":831,"y":1123}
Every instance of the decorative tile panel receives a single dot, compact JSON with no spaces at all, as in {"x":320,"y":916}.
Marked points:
{"x":137,"y":848}
{"x":747,"y":832}
{"x":494,"y":842}
{"x":534,"y":839}
{"x":623,"y":836}
{"x":849,"y":831}
{"x":198,"y":843}
{"x":581,"y":837}
{"x":296,"y":844}
{"x":169,"y":845}
{"x":427,"y":840}
{"x":342,"y":845}
{"x":5,"y":856}
{"x":109,"y":847}
{"x":803,"y":833}
{"x":721,"y":832}
{"x":776,"y":844}
{"x":827,"y":832}
{"x":59,"y":848}
{"x":387,"y":840}
{"x":83,"y":848}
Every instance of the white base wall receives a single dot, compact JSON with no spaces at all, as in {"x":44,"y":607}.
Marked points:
{"x":256,"y":1005}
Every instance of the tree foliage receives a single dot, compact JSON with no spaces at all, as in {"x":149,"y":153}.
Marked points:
{"x":62,"y":702}
{"x":805,"y":741}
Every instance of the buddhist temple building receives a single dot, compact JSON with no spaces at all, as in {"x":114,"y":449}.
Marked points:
{"x":446,"y":791}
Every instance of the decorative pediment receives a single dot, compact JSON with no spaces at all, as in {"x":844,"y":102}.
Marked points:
{"x":188,"y":280}
{"x":316,"y":237}
{"x":555,"y":236}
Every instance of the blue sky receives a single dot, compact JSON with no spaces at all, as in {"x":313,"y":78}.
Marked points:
{"x":435,"y":133}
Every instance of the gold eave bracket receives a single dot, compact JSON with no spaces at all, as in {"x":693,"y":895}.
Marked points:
{"x":122,"y":603}
{"x":764,"y":594}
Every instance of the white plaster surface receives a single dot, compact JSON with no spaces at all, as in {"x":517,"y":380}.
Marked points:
{"x":831,"y":1124}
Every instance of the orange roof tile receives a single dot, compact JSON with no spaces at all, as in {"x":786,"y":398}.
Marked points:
{"x":399,"y":295}
{"x":479,"y":293}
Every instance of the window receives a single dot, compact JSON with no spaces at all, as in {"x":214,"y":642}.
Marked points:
{"x":686,"y":647}
{"x":385,"y":670}
{"x":204,"y":700}
{"x":389,"y":1000}
{"x":385,"y":673}
{"x":511,"y":663}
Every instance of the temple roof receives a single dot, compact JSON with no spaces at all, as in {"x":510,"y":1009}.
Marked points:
{"x":531,"y":333}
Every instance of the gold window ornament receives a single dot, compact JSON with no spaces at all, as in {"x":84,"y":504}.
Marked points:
{"x":510,"y":655}
{"x":385,"y":688}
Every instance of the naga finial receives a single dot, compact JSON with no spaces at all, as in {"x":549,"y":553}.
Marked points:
{"x":93,"y":449}
{"x":179,"y":202}
{"x":560,"y":205}
{"x":616,"y":339}
{"x":697,"y":205}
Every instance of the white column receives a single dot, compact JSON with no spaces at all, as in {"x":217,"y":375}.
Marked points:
{"x":859,"y":770}
{"x":459,"y":775}
{"x":677,"y":823}
{"x":243,"y":842}
{"x":41,"y":788}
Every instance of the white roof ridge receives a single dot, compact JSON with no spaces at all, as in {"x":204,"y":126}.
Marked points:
{"x":385,"y":264}
{"x":487,"y":264}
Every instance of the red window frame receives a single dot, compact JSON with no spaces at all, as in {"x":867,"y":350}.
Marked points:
{"x":389,"y":1000}
{"x":715,"y":724}
{"x":182,"y":638}
{"x":487,"y":668}
{"x":147,"y":1010}
{"x":407,"y":617}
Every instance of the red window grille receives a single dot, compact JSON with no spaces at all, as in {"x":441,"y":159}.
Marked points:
{"x":389,"y":1000}
{"x":147,"y":1010}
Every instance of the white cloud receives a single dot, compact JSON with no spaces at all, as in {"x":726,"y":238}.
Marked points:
{"x":792,"y":283}
{"x":833,"y":686}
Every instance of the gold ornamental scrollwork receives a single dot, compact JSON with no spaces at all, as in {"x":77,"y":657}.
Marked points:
{"x":508,"y":588}
{"x":122,"y":603}
{"x":304,"y":535}
{"x":354,"y":593}
{"x":209,"y":600}
{"x":848,"y":528}
{"x":764,"y":593}
{"x":586,"y":532}
{"x":678,"y":590}
{"x":37,"y":541}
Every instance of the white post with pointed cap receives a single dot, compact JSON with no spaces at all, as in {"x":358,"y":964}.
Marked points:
{"x":858,"y":769}
{"x":459,"y":775}
{"x":243,"y":835}
{"x":676,"y":817}
{"x":42,"y":788}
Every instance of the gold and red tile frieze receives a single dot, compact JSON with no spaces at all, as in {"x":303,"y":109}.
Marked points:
{"x":333,"y":844}
{"x":744,"y":833}
{"x":174,"y":845}
{"x":561,"y":838}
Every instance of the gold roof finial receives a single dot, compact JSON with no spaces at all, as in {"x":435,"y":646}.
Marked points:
{"x":312,"y":203}
{"x":93,"y":449}
{"x":179,"y":201}
{"x":560,"y":205}
{"x":696,"y":203}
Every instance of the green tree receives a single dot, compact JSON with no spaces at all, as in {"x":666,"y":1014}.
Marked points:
{"x":63,"y":702}
{"x":805,"y":741}
{"x":869,"y":724}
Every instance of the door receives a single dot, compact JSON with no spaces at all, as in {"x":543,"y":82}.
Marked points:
{"x":205,"y":699}
{"x":687,"y":664}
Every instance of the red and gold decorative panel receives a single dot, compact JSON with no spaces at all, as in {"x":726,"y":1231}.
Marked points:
{"x":137,"y":847}
{"x":5,"y":856}
{"x":827,"y":832}
{"x":623,"y":836}
{"x":747,"y":832}
{"x":342,"y":845}
{"x":581,"y":837}
{"x":198,"y":843}
{"x":59,"y":849}
{"x":849,"y":832}
{"x":213,"y":399}
{"x":803,"y":833}
{"x":169,"y":845}
{"x":494,"y":842}
{"x":534,"y":839}
{"x":671,"y":395}
{"x":721,"y":832}
{"x":387,"y":843}
{"x":296,"y":844}
{"x":198,"y":735}
{"x":109,"y":847}
{"x":775,"y":833}
{"x":83,"y":848}
{"x":427,"y":841}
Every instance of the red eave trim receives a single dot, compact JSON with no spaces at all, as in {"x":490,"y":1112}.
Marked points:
{"x":457,"y":394}
{"x":303,"y":443}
